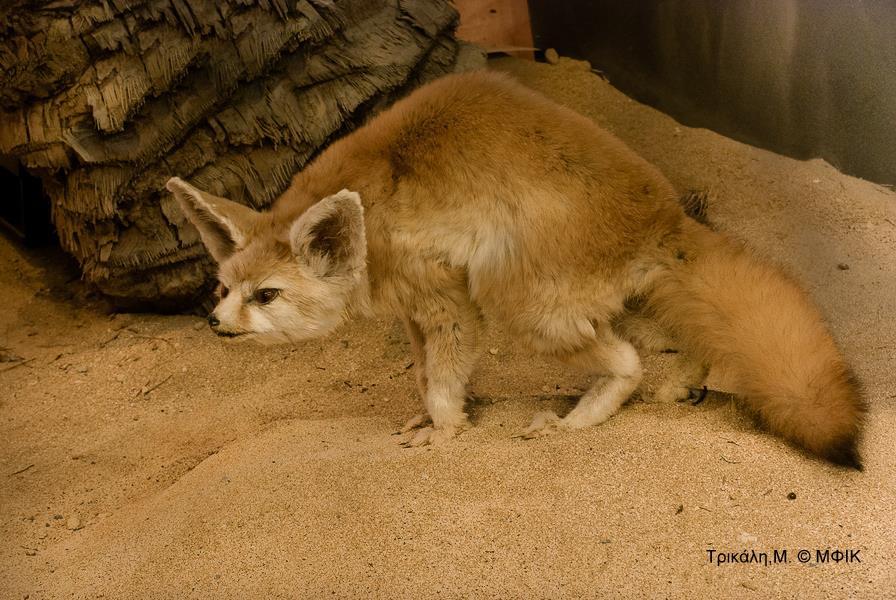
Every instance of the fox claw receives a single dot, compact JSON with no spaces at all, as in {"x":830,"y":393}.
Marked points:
{"x":415,"y":422}
{"x":543,"y":423}
{"x":426,"y":436}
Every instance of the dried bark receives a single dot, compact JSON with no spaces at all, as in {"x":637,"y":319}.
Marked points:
{"x":108,"y":98}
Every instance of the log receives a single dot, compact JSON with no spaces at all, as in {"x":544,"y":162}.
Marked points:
{"x":107,"y":99}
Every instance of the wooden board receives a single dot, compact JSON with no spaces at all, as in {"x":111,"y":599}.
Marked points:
{"x":496,"y":25}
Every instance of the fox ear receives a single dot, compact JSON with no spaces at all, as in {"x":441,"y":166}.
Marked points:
{"x":329,"y":236}
{"x":223,"y":224}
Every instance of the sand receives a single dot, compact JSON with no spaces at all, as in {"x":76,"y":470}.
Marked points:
{"x":142,"y":457}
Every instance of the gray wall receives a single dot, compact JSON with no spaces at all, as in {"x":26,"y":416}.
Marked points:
{"x":808,"y":78}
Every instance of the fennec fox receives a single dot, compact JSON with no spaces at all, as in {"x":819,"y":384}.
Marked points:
{"x":476,"y":198}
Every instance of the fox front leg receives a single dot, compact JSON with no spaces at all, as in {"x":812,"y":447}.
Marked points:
{"x":450,"y":335}
{"x":418,"y":348}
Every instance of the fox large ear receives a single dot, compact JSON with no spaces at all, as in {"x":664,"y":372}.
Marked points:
{"x":223,"y":224}
{"x":329,"y":236}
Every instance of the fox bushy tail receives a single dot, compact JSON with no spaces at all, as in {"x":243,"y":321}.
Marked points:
{"x":739,"y":313}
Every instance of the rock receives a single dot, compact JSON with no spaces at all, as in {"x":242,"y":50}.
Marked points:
{"x":199,"y":325}
{"x":493,"y":351}
{"x":551,"y":56}
{"x":74,"y":523}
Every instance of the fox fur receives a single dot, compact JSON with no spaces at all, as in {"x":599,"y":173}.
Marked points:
{"x":476,"y":198}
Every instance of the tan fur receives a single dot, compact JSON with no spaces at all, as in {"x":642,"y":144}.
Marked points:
{"x":484,"y":200}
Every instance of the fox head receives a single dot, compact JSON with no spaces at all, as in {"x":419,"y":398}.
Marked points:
{"x":280,"y":282}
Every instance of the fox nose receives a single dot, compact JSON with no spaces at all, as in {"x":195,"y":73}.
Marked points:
{"x":213,"y":320}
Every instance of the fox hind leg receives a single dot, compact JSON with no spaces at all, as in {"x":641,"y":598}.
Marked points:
{"x":648,"y":337}
{"x":617,"y":363}
{"x":687,"y":373}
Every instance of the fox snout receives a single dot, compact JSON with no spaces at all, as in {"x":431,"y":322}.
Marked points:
{"x":215,"y":324}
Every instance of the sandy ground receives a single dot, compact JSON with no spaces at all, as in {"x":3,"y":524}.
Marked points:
{"x":142,"y":457}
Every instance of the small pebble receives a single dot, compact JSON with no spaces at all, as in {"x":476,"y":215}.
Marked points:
{"x":30,"y":552}
{"x":493,"y":351}
{"x":198,"y":325}
{"x":81,"y":369}
{"x":552,"y":56}
{"x":74,"y":523}
{"x":843,"y":267}
{"x":791,"y":496}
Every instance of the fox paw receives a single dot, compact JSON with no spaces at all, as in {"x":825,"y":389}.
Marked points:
{"x":426,"y":436}
{"x":422,"y":432}
{"x":543,"y":423}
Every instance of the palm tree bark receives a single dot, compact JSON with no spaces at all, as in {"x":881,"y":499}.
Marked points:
{"x":108,"y":98}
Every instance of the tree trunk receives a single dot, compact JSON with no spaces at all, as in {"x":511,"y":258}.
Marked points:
{"x":106,"y":99}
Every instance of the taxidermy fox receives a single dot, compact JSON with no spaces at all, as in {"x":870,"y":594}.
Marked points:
{"x":476,"y":198}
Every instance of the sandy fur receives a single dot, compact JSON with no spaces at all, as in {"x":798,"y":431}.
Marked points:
{"x":484,"y":200}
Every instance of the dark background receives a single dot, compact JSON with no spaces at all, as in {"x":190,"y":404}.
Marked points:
{"x":806,"y":78}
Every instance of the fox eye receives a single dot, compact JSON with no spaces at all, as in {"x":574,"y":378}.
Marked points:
{"x":266,"y":295}
{"x":223,"y":291}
